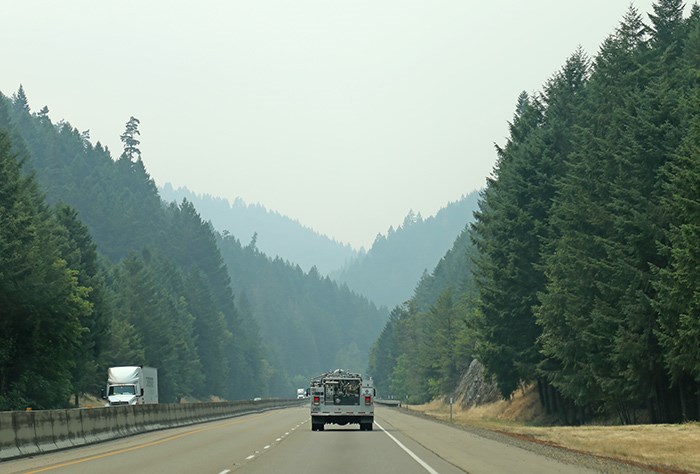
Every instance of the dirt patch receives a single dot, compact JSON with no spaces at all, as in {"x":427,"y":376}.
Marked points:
{"x":90,"y":401}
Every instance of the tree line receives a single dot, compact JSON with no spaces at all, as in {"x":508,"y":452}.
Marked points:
{"x":582,"y":271}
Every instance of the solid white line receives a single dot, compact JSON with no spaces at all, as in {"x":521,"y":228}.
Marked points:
{"x":410,"y":453}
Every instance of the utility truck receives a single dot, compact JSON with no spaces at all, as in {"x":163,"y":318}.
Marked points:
{"x":131,"y":385}
{"x":341,"y":397}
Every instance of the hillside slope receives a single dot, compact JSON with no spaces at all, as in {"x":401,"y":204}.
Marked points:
{"x":390,"y":270}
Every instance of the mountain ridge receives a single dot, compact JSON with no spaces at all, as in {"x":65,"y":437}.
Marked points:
{"x":275,"y":234}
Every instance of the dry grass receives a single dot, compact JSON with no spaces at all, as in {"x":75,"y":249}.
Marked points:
{"x":670,"y":448}
{"x":90,"y":401}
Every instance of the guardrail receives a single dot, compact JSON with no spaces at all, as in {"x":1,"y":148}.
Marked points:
{"x":390,"y":403}
{"x":24,"y":433}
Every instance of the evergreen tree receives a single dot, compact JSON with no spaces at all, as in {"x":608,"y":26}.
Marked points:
{"x":41,"y":300}
{"x":678,"y":285}
{"x":666,"y":21}
{"x":608,"y":224}
{"x":148,"y":297}
{"x":80,"y":252}
{"x":512,"y":224}
{"x":20,"y":100}
{"x":131,"y":143}
{"x":445,"y":328}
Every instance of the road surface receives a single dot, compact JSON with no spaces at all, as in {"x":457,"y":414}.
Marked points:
{"x":281,"y":441}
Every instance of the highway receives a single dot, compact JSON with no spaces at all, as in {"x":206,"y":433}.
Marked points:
{"x":282,"y":441}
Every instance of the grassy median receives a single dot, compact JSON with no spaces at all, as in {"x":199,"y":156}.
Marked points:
{"x":665,"y":448}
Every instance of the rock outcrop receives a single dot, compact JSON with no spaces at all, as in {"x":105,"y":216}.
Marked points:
{"x":475,"y":388}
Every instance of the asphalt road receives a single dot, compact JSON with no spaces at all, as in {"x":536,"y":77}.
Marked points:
{"x":281,"y":441}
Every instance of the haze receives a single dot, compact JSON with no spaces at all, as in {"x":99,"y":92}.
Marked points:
{"x":344,"y":115}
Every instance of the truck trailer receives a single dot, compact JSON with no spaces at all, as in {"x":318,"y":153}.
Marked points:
{"x":131,"y":385}
{"x":341,"y":397}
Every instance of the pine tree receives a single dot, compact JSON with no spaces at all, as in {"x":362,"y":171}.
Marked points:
{"x":666,"y":21}
{"x":678,"y":284}
{"x":20,"y":100}
{"x":80,"y":253}
{"x":131,"y":143}
{"x":513,"y":223}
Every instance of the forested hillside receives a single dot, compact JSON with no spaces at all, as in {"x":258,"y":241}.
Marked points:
{"x":276,"y":235}
{"x":585,"y":278}
{"x":125,"y":291}
{"x":310,"y":324}
{"x":427,"y":343}
{"x":390,"y":270}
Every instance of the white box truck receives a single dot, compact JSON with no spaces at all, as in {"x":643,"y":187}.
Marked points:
{"x":131,"y":385}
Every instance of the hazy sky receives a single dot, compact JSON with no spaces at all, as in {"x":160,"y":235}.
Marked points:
{"x":343,"y":114}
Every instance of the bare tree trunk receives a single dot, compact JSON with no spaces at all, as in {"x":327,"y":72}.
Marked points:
{"x":681,"y":394}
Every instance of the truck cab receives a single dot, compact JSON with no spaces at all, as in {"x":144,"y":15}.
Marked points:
{"x":122,"y":395}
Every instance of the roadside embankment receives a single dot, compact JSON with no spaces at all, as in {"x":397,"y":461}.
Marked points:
{"x":662,"y":448}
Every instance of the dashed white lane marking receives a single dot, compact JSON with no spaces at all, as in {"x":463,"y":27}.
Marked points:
{"x":410,"y":453}
{"x":225,"y":471}
{"x":267,"y":447}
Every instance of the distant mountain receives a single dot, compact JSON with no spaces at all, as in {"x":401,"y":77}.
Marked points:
{"x":391,"y":269}
{"x":275,"y":234}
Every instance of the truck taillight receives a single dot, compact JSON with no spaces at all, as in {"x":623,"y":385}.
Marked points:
{"x":368,"y":400}
{"x":317,"y":400}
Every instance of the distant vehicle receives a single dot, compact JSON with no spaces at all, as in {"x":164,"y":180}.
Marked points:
{"x":342,"y":397}
{"x":131,"y":385}
{"x":301,"y":393}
